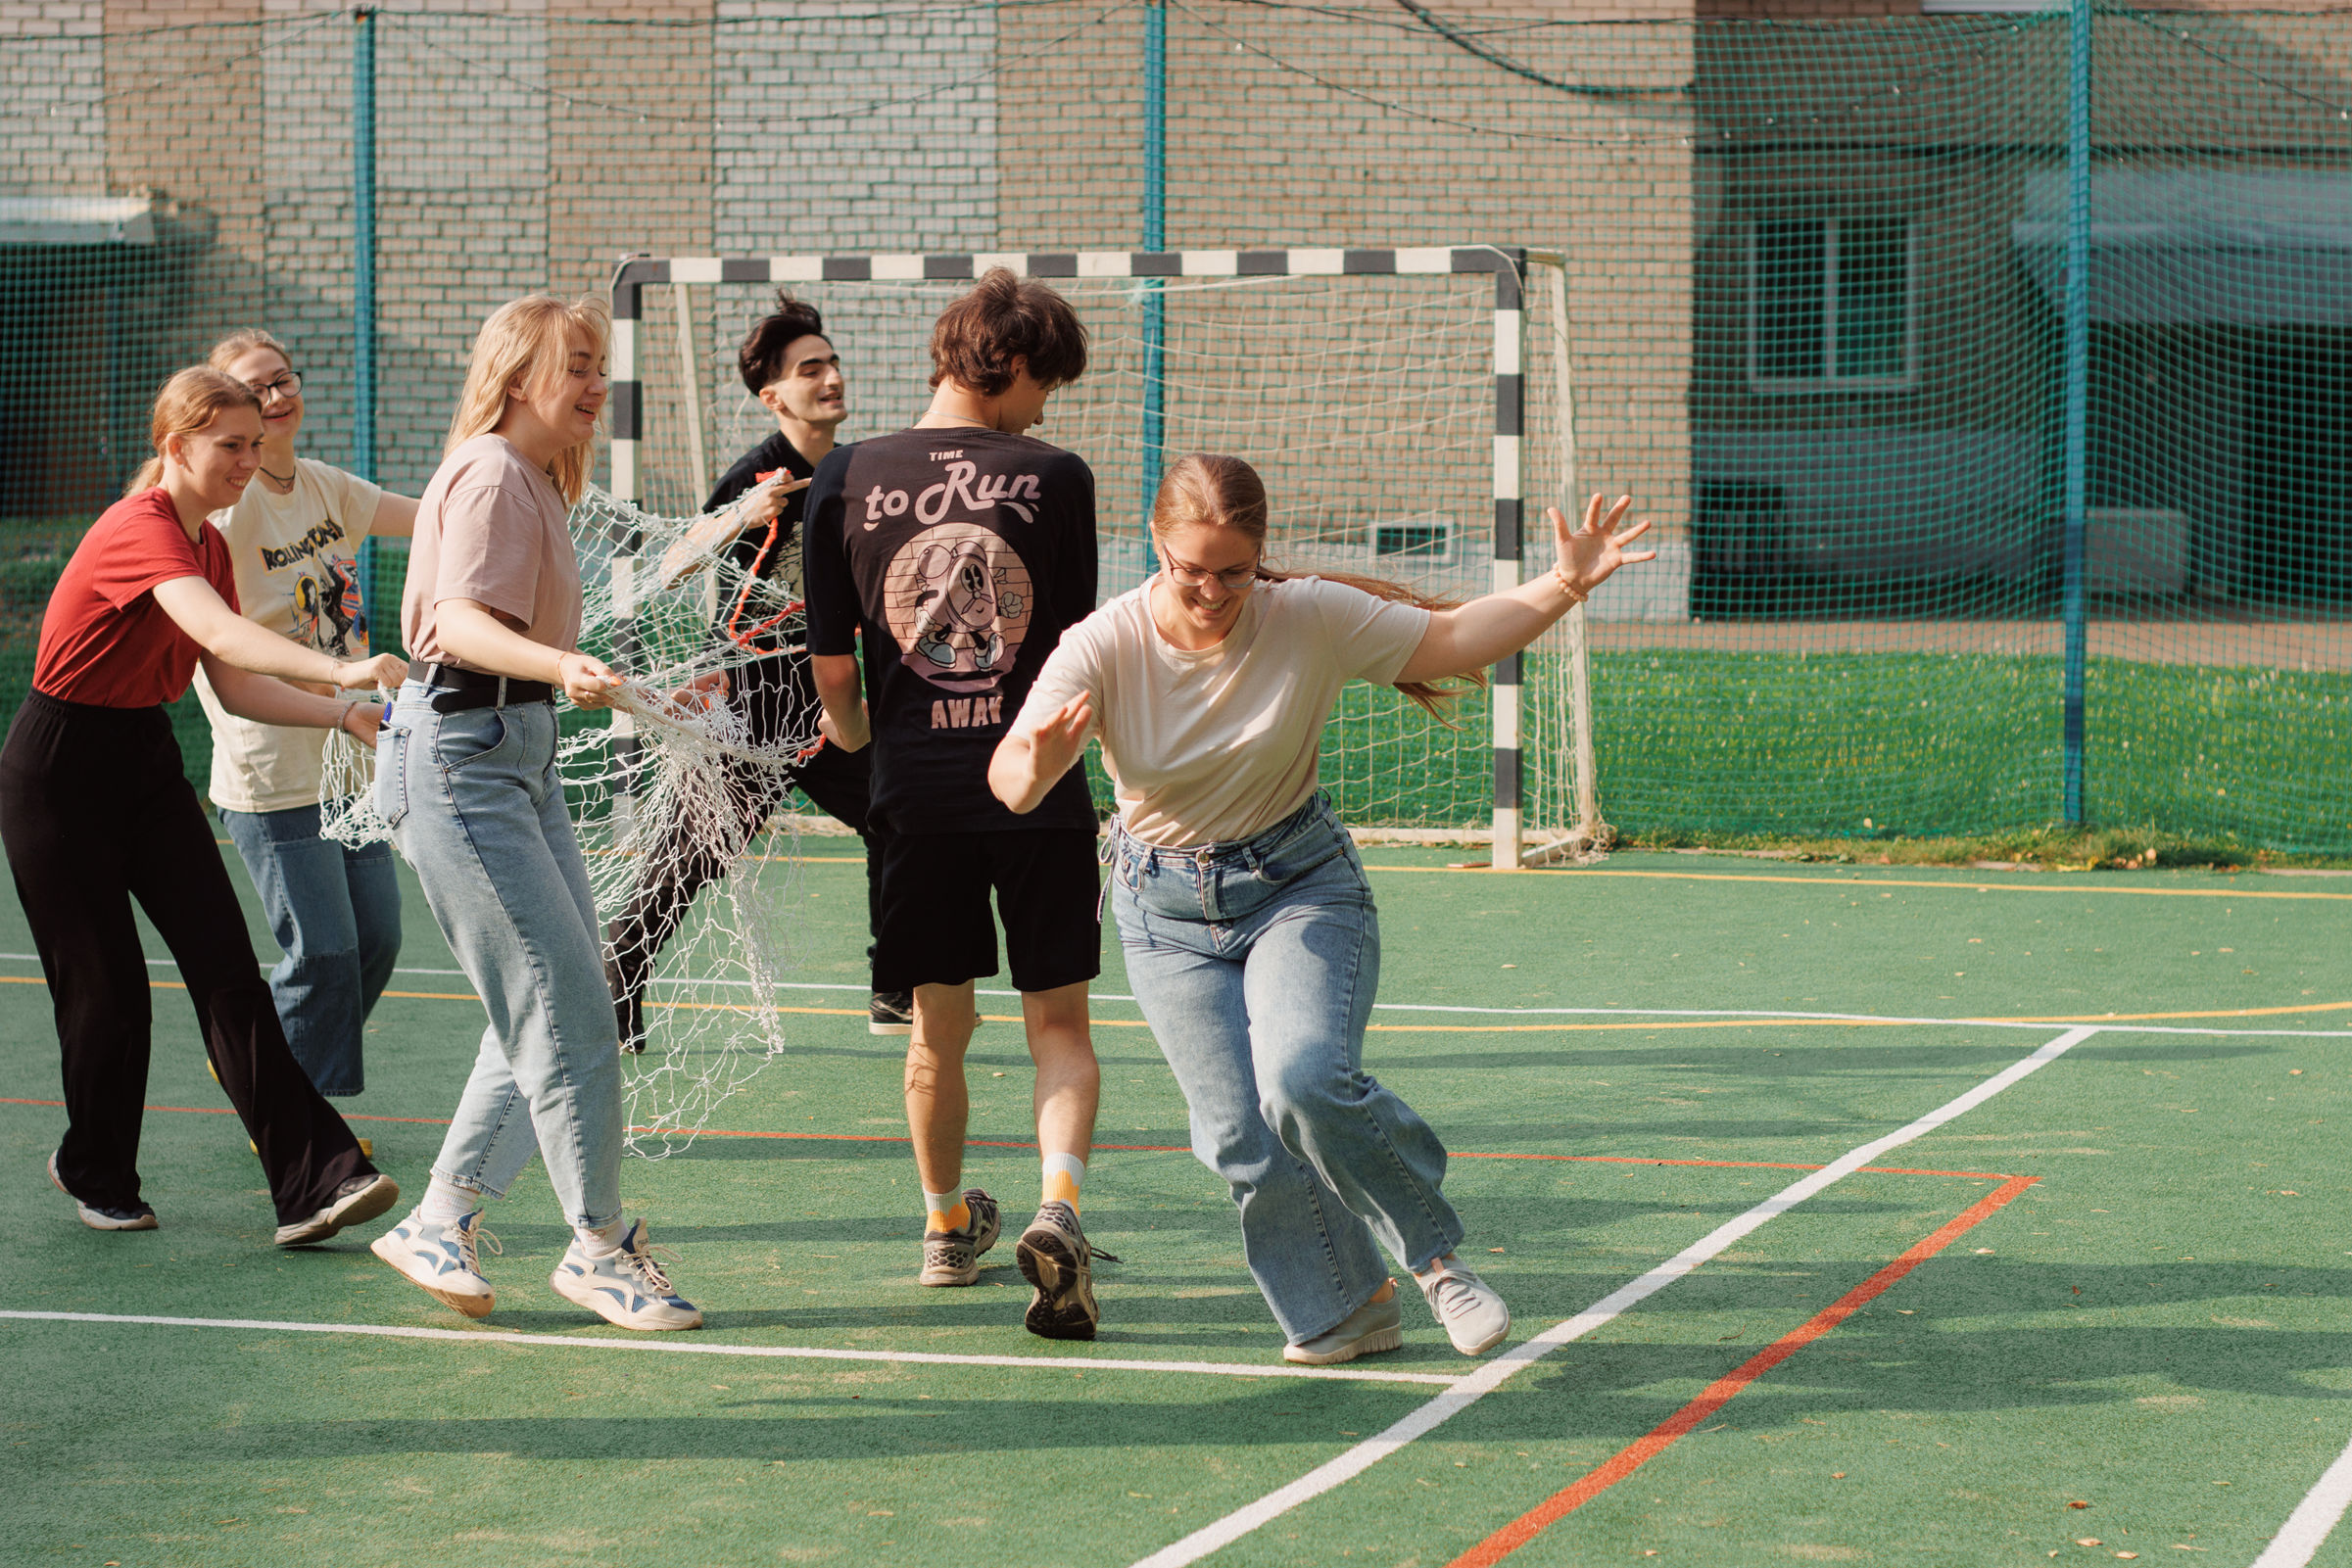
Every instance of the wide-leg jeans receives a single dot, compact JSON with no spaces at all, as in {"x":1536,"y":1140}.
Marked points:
{"x":1256,"y":964}
{"x":476,"y":806}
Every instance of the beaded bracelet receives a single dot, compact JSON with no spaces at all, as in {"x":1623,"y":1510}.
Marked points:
{"x":1559,"y":576}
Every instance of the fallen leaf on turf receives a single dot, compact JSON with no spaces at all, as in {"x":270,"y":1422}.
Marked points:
{"x":1836,"y":1475}
{"x":2127,"y":1555}
{"x":1983,"y":1252}
{"x":2077,"y":1506}
{"x":1494,"y":1249}
{"x":2088,"y":1540}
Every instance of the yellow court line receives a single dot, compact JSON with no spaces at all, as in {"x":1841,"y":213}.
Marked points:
{"x":1890,"y":881}
{"x":1649,"y":1024}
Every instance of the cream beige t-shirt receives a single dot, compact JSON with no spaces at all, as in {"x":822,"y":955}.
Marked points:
{"x":494,"y":529}
{"x":1220,"y":745}
{"x":297,"y":558}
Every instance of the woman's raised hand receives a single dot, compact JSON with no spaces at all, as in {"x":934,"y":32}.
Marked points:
{"x":385,"y":672}
{"x":588,"y":680}
{"x":1589,"y":554}
{"x":1057,"y":743}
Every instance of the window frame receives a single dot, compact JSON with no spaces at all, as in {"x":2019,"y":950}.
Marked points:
{"x":1829,"y":381}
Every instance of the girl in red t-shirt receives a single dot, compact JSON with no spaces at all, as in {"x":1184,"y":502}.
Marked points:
{"x":96,"y":811}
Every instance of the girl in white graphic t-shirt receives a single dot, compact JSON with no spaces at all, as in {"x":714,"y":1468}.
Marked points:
{"x":1248,"y":926}
{"x":294,"y":540}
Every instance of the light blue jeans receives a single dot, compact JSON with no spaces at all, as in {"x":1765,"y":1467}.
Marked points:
{"x":336,"y":913}
{"x":476,"y":806}
{"x":1256,"y":964}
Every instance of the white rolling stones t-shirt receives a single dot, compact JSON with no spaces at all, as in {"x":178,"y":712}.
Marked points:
{"x":297,"y":558}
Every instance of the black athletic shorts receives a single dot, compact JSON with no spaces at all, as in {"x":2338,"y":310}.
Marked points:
{"x":934,"y":928}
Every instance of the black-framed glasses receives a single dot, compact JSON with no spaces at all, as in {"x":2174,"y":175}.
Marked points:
{"x":287,"y":387}
{"x":1234,"y":580}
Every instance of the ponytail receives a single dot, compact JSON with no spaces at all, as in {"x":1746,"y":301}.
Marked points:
{"x":1207,"y":490}
{"x":189,"y":403}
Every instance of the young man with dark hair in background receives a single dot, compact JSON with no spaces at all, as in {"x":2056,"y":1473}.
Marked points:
{"x":961,"y":550}
{"x":790,"y":364}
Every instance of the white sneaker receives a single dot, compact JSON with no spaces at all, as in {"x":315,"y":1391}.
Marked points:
{"x":441,"y":1259}
{"x":1476,"y":1318}
{"x":624,"y":1287}
{"x":1370,"y":1329}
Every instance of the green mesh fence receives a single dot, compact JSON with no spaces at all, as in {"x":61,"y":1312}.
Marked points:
{"x":1813,"y":313}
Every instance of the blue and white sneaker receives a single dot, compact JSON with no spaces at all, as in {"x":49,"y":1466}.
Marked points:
{"x":624,"y":1287}
{"x":442,"y":1261}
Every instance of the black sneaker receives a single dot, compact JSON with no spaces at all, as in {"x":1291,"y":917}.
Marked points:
{"x":138,"y":1217}
{"x":355,"y":1203}
{"x":952,"y":1257}
{"x":1056,"y":1258}
{"x":890,"y":1012}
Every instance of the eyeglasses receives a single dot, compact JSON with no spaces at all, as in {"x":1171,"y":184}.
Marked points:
{"x":1233,"y":579}
{"x":287,"y":387}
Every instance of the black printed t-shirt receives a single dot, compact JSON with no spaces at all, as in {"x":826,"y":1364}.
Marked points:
{"x":743,"y":555}
{"x":962,"y":555}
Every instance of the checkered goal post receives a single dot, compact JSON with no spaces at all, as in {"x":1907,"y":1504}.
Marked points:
{"x":1409,"y":409}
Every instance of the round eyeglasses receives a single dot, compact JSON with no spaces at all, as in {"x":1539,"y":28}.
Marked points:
{"x":285,"y":388}
{"x":1233,"y":579}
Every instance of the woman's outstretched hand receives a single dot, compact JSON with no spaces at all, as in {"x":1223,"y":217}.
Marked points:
{"x":1589,"y":554}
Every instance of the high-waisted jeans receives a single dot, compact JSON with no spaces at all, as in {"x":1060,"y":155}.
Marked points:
{"x":476,"y":806}
{"x":1256,"y":962}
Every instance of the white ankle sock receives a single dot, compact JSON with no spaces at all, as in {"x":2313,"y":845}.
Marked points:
{"x":598,"y":1242}
{"x":445,"y":1203}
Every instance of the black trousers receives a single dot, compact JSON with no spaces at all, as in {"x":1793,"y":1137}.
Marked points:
{"x":95,"y":812}
{"x":779,"y":698}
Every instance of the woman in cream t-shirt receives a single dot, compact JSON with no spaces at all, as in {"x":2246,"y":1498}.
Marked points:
{"x":1250,"y":935}
{"x":294,"y":540}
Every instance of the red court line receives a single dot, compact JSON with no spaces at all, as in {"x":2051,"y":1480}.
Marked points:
{"x":1525,"y":1527}
{"x":1127,"y":1148}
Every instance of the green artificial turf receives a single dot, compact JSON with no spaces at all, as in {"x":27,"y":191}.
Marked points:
{"x":2183,"y":1183}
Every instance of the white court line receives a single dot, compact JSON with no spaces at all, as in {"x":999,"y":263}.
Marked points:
{"x":1479,"y":1384}
{"x":1083,"y":1363}
{"x":2307,"y":1529}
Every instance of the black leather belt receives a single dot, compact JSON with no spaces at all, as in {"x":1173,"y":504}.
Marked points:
{"x":455,"y":690}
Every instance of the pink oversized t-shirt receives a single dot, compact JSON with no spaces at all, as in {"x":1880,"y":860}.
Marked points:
{"x":494,"y":529}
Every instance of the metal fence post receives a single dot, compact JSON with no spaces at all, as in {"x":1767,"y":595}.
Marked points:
{"x":1155,"y":238}
{"x":363,"y":303}
{"x":2077,"y":390}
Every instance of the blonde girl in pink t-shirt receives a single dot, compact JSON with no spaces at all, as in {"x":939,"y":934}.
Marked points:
{"x":1247,"y":923}
{"x":465,"y":775}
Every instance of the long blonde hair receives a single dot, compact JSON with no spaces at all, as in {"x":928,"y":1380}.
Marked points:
{"x":189,"y":403}
{"x":1209,"y":489}
{"x":242,"y":342}
{"x":528,"y":340}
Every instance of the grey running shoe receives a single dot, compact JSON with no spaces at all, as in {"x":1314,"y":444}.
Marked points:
{"x":138,"y":1217}
{"x":1370,"y":1328}
{"x":1476,"y":1318}
{"x":952,"y":1257}
{"x":890,"y":1012}
{"x":355,"y":1203}
{"x":1056,"y":1258}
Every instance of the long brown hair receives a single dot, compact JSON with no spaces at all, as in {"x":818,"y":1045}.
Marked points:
{"x":189,"y":403}
{"x":1209,"y":489}
{"x":528,"y":339}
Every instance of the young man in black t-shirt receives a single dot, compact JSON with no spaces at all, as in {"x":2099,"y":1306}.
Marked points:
{"x":960,"y":550}
{"x":790,"y":364}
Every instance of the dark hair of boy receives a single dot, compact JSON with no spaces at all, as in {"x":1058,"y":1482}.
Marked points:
{"x":761,"y":358}
{"x":1002,"y":319}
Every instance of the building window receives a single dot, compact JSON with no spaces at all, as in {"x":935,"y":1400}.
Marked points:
{"x":1831,"y":304}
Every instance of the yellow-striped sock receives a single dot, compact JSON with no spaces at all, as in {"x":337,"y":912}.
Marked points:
{"x":1065,"y":1174}
{"x":946,"y":1211}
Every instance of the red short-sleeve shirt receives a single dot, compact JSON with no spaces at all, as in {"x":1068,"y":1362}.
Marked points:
{"x":104,"y":640}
